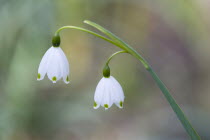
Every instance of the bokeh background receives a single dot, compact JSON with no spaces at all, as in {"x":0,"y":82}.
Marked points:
{"x":173,"y":35}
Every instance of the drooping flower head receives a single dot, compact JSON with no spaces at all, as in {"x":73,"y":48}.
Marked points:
{"x":55,"y":64}
{"x":108,"y":92}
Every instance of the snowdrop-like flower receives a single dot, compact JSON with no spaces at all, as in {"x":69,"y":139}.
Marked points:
{"x":55,"y":64}
{"x":108,"y":91}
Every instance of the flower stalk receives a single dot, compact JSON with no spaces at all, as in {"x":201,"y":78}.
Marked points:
{"x":113,"y":39}
{"x":114,"y":54}
{"x":106,"y":70}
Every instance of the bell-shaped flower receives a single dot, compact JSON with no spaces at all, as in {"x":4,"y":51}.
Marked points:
{"x":108,"y":91}
{"x":55,"y":64}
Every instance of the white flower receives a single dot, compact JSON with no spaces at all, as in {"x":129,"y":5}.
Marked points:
{"x":55,"y":64}
{"x":108,"y":91}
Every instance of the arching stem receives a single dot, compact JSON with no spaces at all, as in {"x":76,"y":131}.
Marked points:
{"x":121,"y":44}
{"x":87,"y":31}
{"x":114,"y":54}
{"x":106,"y":69}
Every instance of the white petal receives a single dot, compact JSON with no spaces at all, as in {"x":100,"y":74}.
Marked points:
{"x":102,"y":94}
{"x":54,"y":71}
{"x":106,"y":100}
{"x":42,"y":70}
{"x":117,"y":92}
{"x":65,"y":66}
{"x":99,"y":91}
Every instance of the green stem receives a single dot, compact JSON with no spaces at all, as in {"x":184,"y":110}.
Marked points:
{"x":188,"y":127}
{"x":106,"y":69}
{"x":180,"y":114}
{"x":121,"y":44}
{"x":109,"y":59}
{"x":87,"y":31}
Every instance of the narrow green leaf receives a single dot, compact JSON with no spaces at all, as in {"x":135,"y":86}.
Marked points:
{"x":123,"y":45}
{"x":106,"y":32}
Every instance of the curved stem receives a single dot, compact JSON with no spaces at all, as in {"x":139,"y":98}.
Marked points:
{"x":90,"y":32}
{"x":125,"y":46}
{"x":109,"y":59}
{"x":121,"y":44}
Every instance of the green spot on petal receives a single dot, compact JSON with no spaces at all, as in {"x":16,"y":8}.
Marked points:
{"x":121,"y":104}
{"x":54,"y":78}
{"x":106,"y":106}
{"x":67,"y":79}
{"x":38,"y":76}
{"x":95,"y":104}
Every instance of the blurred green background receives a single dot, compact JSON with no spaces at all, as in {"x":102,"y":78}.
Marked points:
{"x":173,"y":35}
